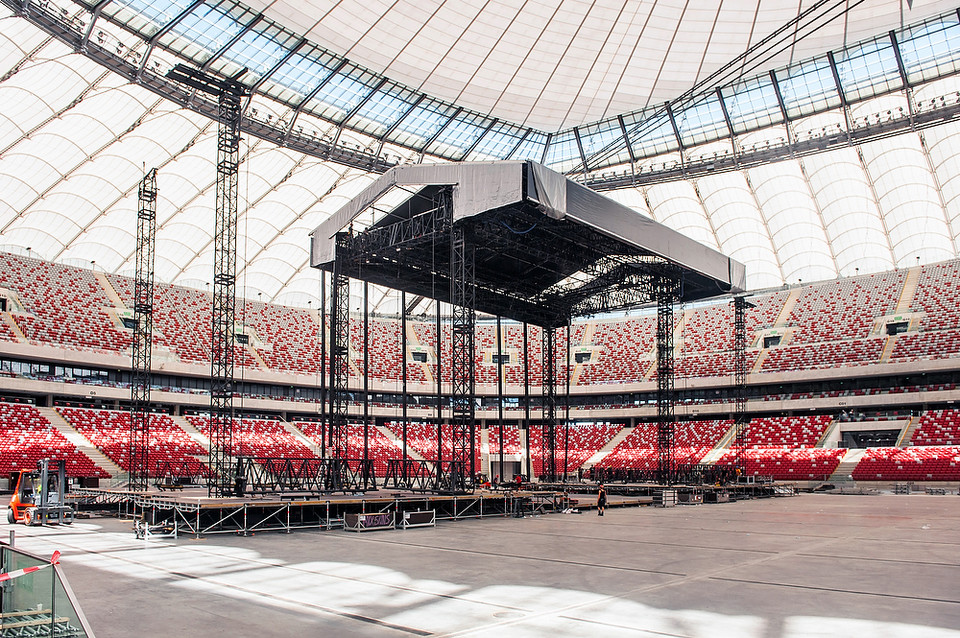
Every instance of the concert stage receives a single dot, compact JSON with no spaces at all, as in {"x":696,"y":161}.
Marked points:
{"x":192,"y":512}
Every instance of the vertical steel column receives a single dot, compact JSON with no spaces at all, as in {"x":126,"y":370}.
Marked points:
{"x":665,"y":292}
{"x":740,"y":378}
{"x":366,"y":385}
{"x":439,"y":391}
{"x":462,"y":296}
{"x":503,"y":476}
{"x":526,"y":396}
{"x":339,"y":365}
{"x":566,"y":405}
{"x":403,"y":373}
{"x":548,"y":442}
{"x":139,"y":472}
{"x":224,"y":295}
{"x":324,"y":366}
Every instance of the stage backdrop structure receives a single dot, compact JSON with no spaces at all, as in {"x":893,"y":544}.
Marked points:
{"x":516,"y":240}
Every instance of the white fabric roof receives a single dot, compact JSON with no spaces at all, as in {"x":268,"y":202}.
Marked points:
{"x":75,"y":138}
{"x":553,"y":65}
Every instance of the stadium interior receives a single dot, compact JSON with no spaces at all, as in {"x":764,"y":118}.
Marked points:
{"x":814,"y":143}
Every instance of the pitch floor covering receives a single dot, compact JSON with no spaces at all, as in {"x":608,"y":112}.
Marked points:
{"x":812,"y":565}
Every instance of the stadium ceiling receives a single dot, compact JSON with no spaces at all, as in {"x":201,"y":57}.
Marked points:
{"x":679,"y":106}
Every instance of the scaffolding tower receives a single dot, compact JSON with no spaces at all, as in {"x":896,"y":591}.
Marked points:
{"x":142,"y":346}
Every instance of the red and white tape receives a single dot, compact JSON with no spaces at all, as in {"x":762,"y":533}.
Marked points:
{"x":29,"y":570}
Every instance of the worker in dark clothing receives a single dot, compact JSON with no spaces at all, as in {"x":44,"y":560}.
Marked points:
{"x":601,"y":500}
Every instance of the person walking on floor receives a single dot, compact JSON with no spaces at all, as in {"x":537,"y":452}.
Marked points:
{"x":601,"y":500}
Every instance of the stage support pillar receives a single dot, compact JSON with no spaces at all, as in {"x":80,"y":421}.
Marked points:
{"x":548,"y":441}
{"x":462,"y":470}
{"x":339,"y":367}
{"x":224,"y":296}
{"x":139,"y":471}
{"x":740,"y":379}
{"x":666,"y":292}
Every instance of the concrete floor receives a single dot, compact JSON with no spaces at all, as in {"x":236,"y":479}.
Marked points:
{"x":813,"y":565}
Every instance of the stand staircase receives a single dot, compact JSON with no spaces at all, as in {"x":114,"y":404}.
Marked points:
{"x":411,"y":452}
{"x":300,"y":436}
{"x":607,"y":449}
{"x":847,"y":464}
{"x":81,"y":442}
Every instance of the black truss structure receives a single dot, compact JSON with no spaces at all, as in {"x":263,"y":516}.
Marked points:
{"x":424,"y":476}
{"x":740,"y":419}
{"x":462,"y":387}
{"x":548,"y":441}
{"x":515,"y":240}
{"x":142,"y":346}
{"x":229,"y":92}
{"x":666,"y":292}
{"x":339,"y":391}
{"x":366,"y":381}
{"x":276,"y":475}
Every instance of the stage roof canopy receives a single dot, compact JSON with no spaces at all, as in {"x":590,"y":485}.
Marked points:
{"x":545,"y":248}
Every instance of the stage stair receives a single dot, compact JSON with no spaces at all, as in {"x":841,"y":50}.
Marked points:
{"x":81,"y":442}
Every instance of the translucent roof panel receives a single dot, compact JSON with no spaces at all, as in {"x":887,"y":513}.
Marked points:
{"x":552,"y":67}
{"x":76,"y":138}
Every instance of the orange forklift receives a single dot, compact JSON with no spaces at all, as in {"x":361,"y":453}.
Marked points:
{"x":39,"y":496}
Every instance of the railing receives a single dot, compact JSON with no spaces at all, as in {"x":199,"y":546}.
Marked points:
{"x":38,"y":602}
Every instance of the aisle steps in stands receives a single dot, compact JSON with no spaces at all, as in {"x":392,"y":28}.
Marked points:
{"x":12,"y":323}
{"x":725,"y":441}
{"x":109,"y":290}
{"x":847,"y":465}
{"x":888,"y":346}
{"x":761,"y":357}
{"x":81,"y":442}
{"x":298,"y":435}
{"x":788,"y":306}
{"x":713,"y":455}
{"x":411,"y":451}
{"x":414,"y":340}
{"x":678,"y":328}
{"x":608,"y":448}
{"x":193,"y":432}
{"x":256,"y":357}
{"x":909,"y":289}
{"x":831,"y":433}
{"x":588,"y":331}
{"x":907,"y":433}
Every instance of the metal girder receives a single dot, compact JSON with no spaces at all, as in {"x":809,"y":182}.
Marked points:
{"x":222,"y":355}
{"x":462,"y":390}
{"x":339,"y":362}
{"x":548,"y":440}
{"x":740,"y":419}
{"x":666,"y":290}
{"x":278,"y":475}
{"x":142,"y":345}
